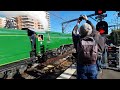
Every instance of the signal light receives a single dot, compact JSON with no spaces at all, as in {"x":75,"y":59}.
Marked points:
{"x":109,"y":48}
{"x":101,"y":31}
{"x":112,"y":49}
{"x":99,"y":12}
{"x":102,"y":27}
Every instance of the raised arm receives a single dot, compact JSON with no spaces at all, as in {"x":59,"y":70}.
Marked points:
{"x":75,"y":29}
{"x":75,"y":34}
{"x":89,"y":22}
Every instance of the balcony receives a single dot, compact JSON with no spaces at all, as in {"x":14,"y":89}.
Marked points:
{"x":30,"y":20}
{"x":27,"y":21}
{"x":22,"y":17}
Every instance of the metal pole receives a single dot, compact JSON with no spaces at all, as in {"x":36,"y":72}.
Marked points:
{"x":94,"y":19}
{"x":77,"y":19}
{"x":73,"y":21}
{"x":119,"y":58}
{"x":62,"y":29}
{"x":117,"y":22}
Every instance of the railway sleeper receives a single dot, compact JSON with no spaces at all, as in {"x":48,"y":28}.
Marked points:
{"x":11,"y":70}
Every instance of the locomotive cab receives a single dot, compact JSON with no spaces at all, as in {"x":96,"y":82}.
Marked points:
{"x":40,"y":37}
{"x":37,"y":44}
{"x":32,"y":36}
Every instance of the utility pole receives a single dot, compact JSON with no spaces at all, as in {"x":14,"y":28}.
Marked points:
{"x":118,"y":17}
{"x":117,"y":22}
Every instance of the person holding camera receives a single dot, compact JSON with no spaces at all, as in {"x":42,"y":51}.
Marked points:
{"x":89,"y":47}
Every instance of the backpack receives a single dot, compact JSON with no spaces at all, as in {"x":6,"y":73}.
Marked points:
{"x":87,"y":50}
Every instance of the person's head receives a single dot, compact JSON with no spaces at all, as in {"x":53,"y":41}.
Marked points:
{"x":85,"y":29}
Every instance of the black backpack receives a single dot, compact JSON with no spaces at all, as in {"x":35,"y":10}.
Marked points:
{"x":87,"y":50}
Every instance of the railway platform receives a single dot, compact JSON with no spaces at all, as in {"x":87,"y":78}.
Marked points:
{"x":107,"y":73}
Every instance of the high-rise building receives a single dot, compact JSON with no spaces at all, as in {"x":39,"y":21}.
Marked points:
{"x":48,"y":19}
{"x":2,"y":22}
{"x":28,"y":22}
{"x":24,"y":21}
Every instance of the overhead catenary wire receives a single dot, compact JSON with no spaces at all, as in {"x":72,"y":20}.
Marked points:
{"x":59,"y":18}
{"x":55,"y":28}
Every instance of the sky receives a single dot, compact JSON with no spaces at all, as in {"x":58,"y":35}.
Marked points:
{"x":55,"y":19}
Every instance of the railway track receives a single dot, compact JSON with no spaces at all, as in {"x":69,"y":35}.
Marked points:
{"x":50,"y":69}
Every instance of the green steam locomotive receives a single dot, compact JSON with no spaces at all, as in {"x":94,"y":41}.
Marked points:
{"x":22,"y":48}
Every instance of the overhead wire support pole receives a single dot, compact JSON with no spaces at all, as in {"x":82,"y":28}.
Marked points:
{"x":94,"y":19}
{"x":77,"y":19}
{"x":73,"y":21}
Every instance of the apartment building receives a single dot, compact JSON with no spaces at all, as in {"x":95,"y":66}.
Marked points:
{"x":2,"y":22}
{"x":27,"y":22}
{"x":48,"y":19}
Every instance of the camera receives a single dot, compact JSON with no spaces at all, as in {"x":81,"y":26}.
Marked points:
{"x":81,"y":18}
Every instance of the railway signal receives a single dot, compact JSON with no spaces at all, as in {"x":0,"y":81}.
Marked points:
{"x":112,"y":49}
{"x":99,"y":12}
{"x":102,"y":27}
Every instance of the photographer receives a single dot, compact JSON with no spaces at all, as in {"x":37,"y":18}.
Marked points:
{"x":87,"y":68}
